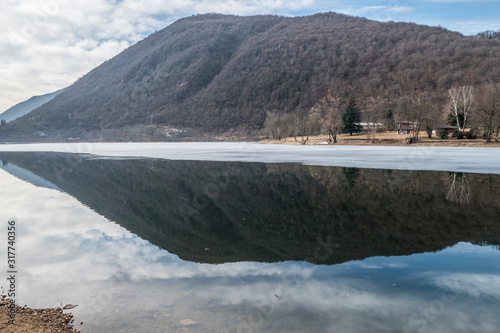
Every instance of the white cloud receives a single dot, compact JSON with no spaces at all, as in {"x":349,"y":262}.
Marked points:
{"x":400,"y":9}
{"x":380,"y":12}
{"x":48,"y":44}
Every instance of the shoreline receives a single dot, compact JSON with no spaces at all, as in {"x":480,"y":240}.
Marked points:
{"x":49,"y":320}
{"x":382,"y":140}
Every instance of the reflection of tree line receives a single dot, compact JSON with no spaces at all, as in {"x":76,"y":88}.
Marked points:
{"x":460,"y":191}
{"x":278,"y":212}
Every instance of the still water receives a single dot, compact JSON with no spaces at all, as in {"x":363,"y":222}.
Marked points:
{"x":154,"y":245}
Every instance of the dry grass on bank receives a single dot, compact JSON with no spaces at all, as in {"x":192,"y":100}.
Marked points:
{"x":383,"y":139}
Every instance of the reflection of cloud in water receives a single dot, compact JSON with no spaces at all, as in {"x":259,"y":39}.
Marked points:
{"x":378,"y":263}
{"x":468,"y":248}
{"x":474,"y":285}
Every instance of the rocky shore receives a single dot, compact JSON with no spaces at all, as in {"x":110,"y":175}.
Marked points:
{"x":52,"y":320}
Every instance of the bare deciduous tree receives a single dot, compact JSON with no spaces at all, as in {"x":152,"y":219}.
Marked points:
{"x":282,"y":125}
{"x":329,"y":113}
{"x":419,"y":110}
{"x":274,"y":125}
{"x":374,"y":113}
{"x":488,"y":109}
{"x":432,"y":116}
{"x":416,"y":108}
{"x":462,"y":98}
{"x":303,"y":121}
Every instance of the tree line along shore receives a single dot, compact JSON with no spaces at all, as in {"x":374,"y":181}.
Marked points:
{"x":470,"y":113}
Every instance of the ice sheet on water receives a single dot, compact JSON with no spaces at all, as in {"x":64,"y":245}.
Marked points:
{"x":457,"y":159}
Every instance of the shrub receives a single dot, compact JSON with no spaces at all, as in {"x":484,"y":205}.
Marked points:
{"x":471,"y":135}
{"x":442,"y":134}
{"x":458,"y":134}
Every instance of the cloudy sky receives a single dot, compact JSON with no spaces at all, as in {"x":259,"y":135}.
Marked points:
{"x":45,"y":45}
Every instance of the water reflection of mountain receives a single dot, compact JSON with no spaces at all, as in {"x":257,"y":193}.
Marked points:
{"x":221,"y":212}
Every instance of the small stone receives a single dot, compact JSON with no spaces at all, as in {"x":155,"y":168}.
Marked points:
{"x":188,"y":322}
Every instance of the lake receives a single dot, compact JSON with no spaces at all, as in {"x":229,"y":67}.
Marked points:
{"x":220,"y":238}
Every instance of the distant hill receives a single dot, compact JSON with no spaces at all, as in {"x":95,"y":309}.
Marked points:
{"x":216,"y":73}
{"x":27,"y":106}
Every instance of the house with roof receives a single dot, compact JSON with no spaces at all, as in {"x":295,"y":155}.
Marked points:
{"x":449,"y":129}
{"x":405,"y":127}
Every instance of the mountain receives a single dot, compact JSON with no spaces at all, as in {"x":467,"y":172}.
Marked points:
{"x":276,"y":212}
{"x":216,"y":73}
{"x":26,"y":107}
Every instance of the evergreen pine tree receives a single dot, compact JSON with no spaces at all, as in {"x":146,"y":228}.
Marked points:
{"x":351,"y":118}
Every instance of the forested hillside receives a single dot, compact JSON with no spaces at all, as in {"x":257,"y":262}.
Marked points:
{"x":216,"y":73}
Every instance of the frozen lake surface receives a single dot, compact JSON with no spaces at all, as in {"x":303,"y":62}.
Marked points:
{"x":457,"y":159}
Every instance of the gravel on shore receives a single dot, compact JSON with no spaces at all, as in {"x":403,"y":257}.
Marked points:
{"x":52,"y":320}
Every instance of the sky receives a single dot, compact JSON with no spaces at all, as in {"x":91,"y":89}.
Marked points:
{"x":46,"y":45}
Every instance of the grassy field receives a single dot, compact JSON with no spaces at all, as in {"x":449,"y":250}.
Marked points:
{"x":384,"y":139}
